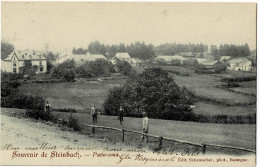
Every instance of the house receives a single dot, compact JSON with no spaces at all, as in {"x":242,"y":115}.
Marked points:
{"x":209,"y":56}
{"x":79,"y":58}
{"x":200,"y":60}
{"x":18,"y":59}
{"x":240,"y":64}
{"x":123,"y":56}
{"x":135,"y":62}
{"x":224,"y":59}
{"x":209,"y":63}
{"x":186,"y":54}
{"x":169,"y":59}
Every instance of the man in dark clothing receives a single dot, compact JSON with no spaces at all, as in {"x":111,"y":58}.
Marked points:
{"x":121,"y":115}
{"x":94,"y":114}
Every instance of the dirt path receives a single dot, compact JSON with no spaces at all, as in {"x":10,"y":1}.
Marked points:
{"x":27,"y":132}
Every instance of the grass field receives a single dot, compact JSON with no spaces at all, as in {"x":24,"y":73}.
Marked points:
{"x":207,"y":108}
{"x":237,"y":135}
{"x":232,"y":135}
{"x":205,"y":86}
{"x":78,"y":95}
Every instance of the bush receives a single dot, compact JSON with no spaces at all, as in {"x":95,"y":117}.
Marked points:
{"x":154,"y":92}
{"x":190,"y":63}
{"x":176,"y":63}
{"x":17,"y":99}
{"x":220,"y":67}
{"x":96,"y":68}
{"x":73,"y":123}
{"x":64,"y":71}
{"x":71,"y":110}
{"x":239,"y":79}
{"x":123,"y":67}
{"x":39,"y":114}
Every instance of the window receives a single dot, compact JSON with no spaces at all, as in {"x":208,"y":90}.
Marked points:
{"x":28,"y":63}
{"x":14,"y":67}
{"x":41,"y":66}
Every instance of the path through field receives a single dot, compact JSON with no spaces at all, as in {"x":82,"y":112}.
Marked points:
{"x":24,"y":132}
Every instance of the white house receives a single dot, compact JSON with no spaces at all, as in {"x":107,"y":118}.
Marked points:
{"x":79,"y":58}
{"x":169,"y":59}
{"x":123,"y":56}
{"x":225,"y":58}
{"x":135,"y":62}
{"x":240,"y":64}
{"x":200,"y":60}
{"x":18,"y":59}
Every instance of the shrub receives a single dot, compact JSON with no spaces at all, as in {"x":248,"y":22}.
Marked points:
{"x":95,"y":68}
{"x":220,"y":67}
{"x":71,"y":110}
{"x":190,"y":63}
{"x":176,"y":63}
{"x":64,"y":71}
{"x":39,"y":114}
{"x":73,"y":123}
{"x":123,"y":67}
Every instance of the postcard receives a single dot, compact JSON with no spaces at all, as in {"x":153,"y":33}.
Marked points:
{"x":128,"y":83}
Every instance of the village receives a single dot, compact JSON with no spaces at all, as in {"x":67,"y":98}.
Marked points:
{"x":19,"y":59}
{"x":161,"y":81}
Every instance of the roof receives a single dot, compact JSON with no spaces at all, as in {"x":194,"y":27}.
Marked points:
{"x":122,"y":56}
{"x":209,"y":57}
{"x":26,"y":55}
{"x":209,"y":62}
{"x":240,"y":60}
{"x":200,"y":60}
{"x":135,"y":60}
{"x":170,"y":58}
{"x":81,"y":58}
{"x":187,"y":54}
{"x":225,"y":58}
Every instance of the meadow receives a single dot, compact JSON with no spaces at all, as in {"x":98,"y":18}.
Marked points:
{"x":236,"y":135}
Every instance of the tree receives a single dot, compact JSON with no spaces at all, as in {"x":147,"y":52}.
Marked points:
{"x":96,"y":48}
{"x":154,"y":92}
{"x":64,"y":71}
{"x":123,"y":67}
{"x":220,"y":67}
{"x":6,"y":49}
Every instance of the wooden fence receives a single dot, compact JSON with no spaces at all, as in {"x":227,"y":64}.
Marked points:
{"x":161,"y":138}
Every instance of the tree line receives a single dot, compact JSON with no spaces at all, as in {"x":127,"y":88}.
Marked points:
{"x":144,"y":51}
{"x":230,"y":50}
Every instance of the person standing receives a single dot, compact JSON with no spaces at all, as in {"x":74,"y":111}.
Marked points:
{"x":121,"y":115}
{"x":145,"y":126}
{"x":94,"y":114}
{"x":47,"y":107}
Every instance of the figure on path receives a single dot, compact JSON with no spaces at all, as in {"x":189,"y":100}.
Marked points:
{"x":145,"y":126}
{"x":94,"y":114}
{"x":47,"y":107}
{"x":121,"y":115}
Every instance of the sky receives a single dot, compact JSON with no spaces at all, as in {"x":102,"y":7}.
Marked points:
{"x":58,"y":26}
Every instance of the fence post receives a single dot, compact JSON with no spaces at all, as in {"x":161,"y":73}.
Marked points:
{"x":93,"y":130}
{"x":204,"y":149}
{"x":123,"y":137}
{"x":160,"y":142}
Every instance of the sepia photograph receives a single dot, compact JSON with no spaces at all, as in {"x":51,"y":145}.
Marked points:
{"x":128,"y":83}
